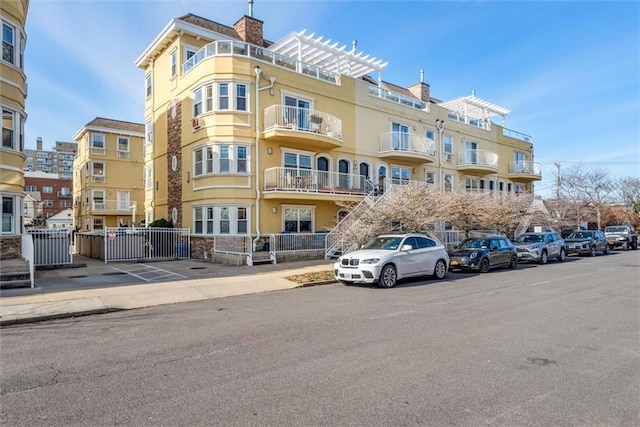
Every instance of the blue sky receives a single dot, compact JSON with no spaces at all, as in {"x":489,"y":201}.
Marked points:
{"x":569,"y":71}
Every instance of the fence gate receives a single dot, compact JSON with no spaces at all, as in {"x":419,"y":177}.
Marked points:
{"x":133,"y":243}
{"x":52,"y":246}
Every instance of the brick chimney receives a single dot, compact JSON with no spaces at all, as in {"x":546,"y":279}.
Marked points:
{"x":420,"y":90}
{"x":250,"y":30}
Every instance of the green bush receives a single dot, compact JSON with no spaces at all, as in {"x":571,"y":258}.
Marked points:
{"x":161,"y":223}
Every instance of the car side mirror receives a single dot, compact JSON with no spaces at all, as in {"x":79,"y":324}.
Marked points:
{"x":406,"y":248}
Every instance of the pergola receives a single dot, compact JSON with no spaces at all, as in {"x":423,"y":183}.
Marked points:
{"x":475,"y":108}
{"x":328,"y":55}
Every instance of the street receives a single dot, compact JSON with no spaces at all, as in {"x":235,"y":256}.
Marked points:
{"x":557,"y":344}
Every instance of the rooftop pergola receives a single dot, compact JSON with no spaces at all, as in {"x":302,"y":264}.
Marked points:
{"x":474,"y":107}
{"x":328,"y":55}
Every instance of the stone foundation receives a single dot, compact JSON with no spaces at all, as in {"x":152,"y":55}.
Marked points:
{"x":11,"y":247}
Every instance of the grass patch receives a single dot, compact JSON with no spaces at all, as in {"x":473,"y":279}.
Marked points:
{"x":316,"y":276}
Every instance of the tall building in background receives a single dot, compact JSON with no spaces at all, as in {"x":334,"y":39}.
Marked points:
{"x":58,"y":160}
{"x":13,"y":93}
{"x":108,"y":174}
{"x":248,"y":136}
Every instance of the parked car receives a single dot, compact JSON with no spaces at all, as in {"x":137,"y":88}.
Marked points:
{"x":565,"y":233}
{"x":388,"y":258}
{"x":483,"y":253}
{"x":586,"y":242}
{"x":539,"y":247}
{"x":621,"y":236}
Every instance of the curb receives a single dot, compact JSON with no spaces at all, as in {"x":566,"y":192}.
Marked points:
{"x":57,"y":316}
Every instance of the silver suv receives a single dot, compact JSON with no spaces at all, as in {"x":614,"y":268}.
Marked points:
{"x":539,"y":247}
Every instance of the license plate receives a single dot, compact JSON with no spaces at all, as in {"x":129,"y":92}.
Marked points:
{"x":453,"y":263}
{"x":347,"y":276}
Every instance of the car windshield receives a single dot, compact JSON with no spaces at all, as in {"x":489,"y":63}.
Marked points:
{"x":383,"y":242}
{"x":581,"y":235}
{"x":530,"y":238}
{"x":474,"y":244}
{"x":615,"y":229}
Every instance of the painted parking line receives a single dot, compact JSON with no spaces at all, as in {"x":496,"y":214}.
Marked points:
{"x":148,"y":273}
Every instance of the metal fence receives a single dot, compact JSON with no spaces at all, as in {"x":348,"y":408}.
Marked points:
{"x":134,"y":243}
{"x":52,"y":246}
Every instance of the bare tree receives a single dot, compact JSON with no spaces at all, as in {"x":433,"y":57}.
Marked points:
{"x":465,"y":210}
{"x":504,"y":212}
{"x":593,"y":189}
{"x":628,"y":194}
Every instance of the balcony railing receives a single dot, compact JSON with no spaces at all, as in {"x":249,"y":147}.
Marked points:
{"x":238,"y":48}
{"x":406,"y":142}
{"x":315,"y":181}
{"x":482,"y":158}
{"x":517,"y":135}
{"x":396,"y":97}
{"x":298,"y":119}
{"x":525,"y":168}
{"x":480,"y":124}
{"x":112,"y":205}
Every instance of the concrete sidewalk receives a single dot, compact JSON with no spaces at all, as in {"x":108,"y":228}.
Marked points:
{"x":49,"y":301}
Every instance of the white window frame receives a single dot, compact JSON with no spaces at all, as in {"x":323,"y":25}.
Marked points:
{"x":47,"y":203}
{"x":400,"y":136}
{"x":471,"y":183}
{"x":97,"y":223}
{"x":123,"y":145}
{"x":16,"y":129}
{"x":173,"y":63}
{"x":430,"y":136}
{"x":448,"y":183}
{"x":98,"y":177}
{"x":95,"y":137}
{"x":47,"y":189}
{"x":447,"y":142}
{"x":148,"y":177}
{"x":403,"y":174}
{"x":148,"y":86}
{"x":12,"y":43}
{"x":31,"y":188}
{"x":297,"y":211}
{"x":9,"y":219}
{"x":207,"y":159}
{"x":221,"y":219}
{"x":95,"y":204}
{"x":207,"y":98}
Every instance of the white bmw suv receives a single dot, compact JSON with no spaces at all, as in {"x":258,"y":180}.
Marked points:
{"x":386,"y":259}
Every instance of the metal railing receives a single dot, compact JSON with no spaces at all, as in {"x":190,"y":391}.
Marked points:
{"x":478,"y":158}
{"x":242,"y":49}
{"x":52,"y":246}
{"x":525,"y":168}
{"x":298,"y":119}
{"x":111,"y":205}
{"x":315,"y":181}
{"x":406,"y":142}
{"x":461,"y":118}
{"x":517,"y":135}
{"x":396,"y":97}
{"x":138,"y":243}
{"x":271,"y":244}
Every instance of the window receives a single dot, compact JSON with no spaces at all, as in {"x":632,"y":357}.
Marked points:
{"x":472,"y":184}
{"x":431,"y":139}
{"x":221,"y":220}
{"x":47,"y":189}
{"x":148,"y":177}
{"x":218,"y":158}
{"x":98,"y":223}
{"x":518,"y":188}
{"x":173,"y":63}
{"x":197,"y":103}
{"x":430,"y":178}
{"x":400,"y":175}
{"x":223,"y":96}
{"x":31,"y":188}
{"x":298,"y":220}
{"x":8,"y":205}
{"x":98,"y":199}
{"x":189,"y":52}
{"x":97,"y":143}
{"x":8,"y":43}
{"x":399,"y":137}
{"x":448,"y":183}
{"x":518,"y":162}
{"x":471,"y":152}
{"x":241,"y":97}
{"x":509,"y":187}
{"x":97,"y":171}
{"x":147,"y":85}
{"x":149,"y":131}
{"x":47,"y":203}
{"x":220,"y":97}
{"x":123,"y":146}
{"x":65,"y":203}
{"x":448,"y":144}
{"x":8,"y":129}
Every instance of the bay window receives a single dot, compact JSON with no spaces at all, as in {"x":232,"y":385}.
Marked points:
{"x":220,"y":219}
{"x":220,"y":96}
{"x":220,"y":159}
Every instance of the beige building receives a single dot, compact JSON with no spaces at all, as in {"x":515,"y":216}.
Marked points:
{"x":13,"y":92}
{"x":245,"y":135}
{"x":108,"y":186}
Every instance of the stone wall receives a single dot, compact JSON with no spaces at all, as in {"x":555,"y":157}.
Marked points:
{"x":200,"y":245}
{"x":10,"y":247}
{"x":174,"y":180}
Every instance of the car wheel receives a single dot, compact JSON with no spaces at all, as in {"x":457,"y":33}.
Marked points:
{"x":562,"y":256}
{"x":606,"y":249}
{"x":513,"y":264}
{"x":388,"y":276}
{"x":634,"y":245}
{"x":484,"y":265}
{"x":593,"y":251}
{"x":439,"y":270}
{"x":544,"y":258}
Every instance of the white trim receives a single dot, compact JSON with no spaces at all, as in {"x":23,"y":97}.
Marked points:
{"x":12,"y":83}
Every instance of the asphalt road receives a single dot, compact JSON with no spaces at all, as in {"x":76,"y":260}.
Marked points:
{"x":540,"y":346}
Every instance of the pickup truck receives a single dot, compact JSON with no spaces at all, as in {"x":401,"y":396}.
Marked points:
{"x":621,"y":236}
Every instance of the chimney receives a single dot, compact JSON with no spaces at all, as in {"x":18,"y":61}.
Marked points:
{"x":39,"y":143}
{"x":420,"y":90}
{"x":249,"y":30}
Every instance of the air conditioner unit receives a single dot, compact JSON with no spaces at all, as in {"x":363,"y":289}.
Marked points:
{"x":448,"y":157}
{"x":123,"y":153}
{"x":195,"y":123}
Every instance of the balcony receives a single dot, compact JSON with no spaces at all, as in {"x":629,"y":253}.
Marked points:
{"x":64,"y":194}
{"x":302,"y":127}
{"x":478,"y":161}
{"x":293,"y":183}
{"x":396,"y":97}
{"x":525,"y":171}
{"x":408,"y":147}
{"x":476,"y":123}
{"x":111,"y":206}
{"x":241,"y":49}
{"x":517,"y":135}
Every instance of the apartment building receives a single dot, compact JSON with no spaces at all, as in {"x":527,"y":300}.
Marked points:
{"x":58,"y":160}
{"x":108,"y":181}
{"x":54,"y":193}
{"x":13,"y":92}
{"x":245,"y":135}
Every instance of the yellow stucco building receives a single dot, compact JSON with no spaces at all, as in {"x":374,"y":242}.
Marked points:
{"x":108,"y":180}
{"x":13,"y":93}
{"x":245,"y":135}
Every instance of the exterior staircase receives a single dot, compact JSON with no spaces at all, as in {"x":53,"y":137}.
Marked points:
{"x":14,"y":273}
{"x":537,"y":205}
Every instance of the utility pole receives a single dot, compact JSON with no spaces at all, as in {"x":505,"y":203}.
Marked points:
{"x":558,"y":181}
